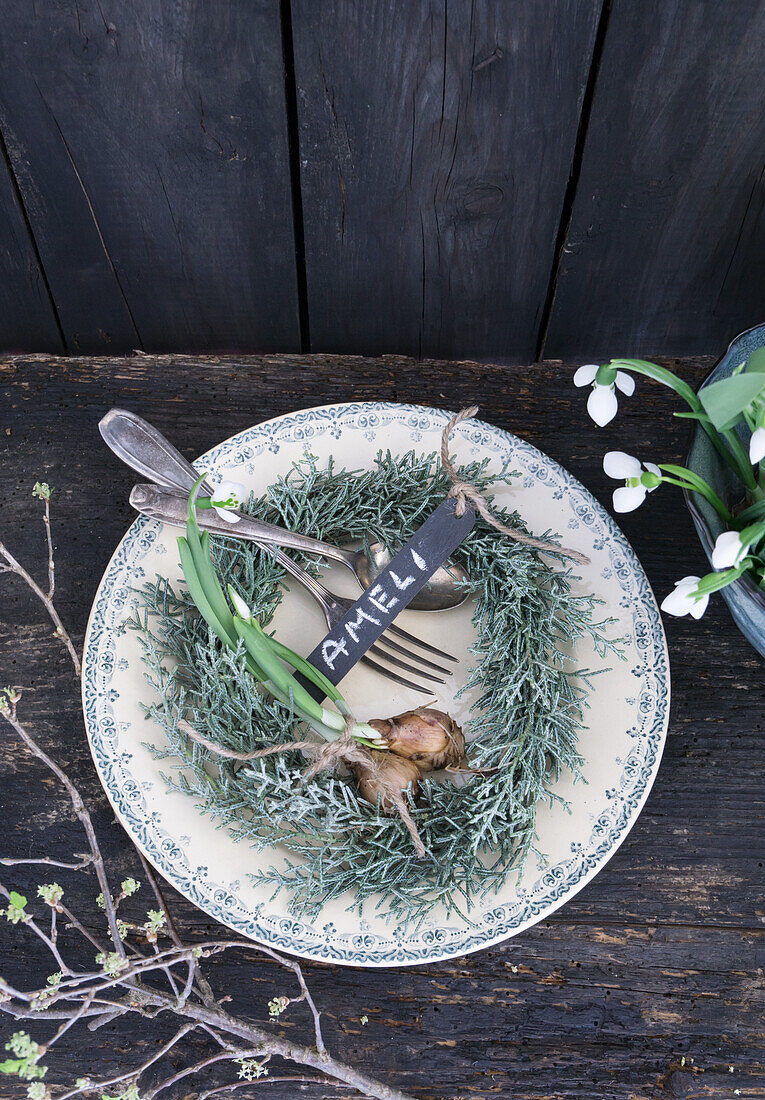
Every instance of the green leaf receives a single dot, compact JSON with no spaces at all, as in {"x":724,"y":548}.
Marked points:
{"x":18,"y":900}
{"x":724,"y":401}
{"x":257,"y":643}
{"x":752,"y":513}
{"x":12,"y":1065}
{"x":199,"y":595}
{"x":309,"y":671}
{"x":756,"y":361}
{"x":199,"y":547}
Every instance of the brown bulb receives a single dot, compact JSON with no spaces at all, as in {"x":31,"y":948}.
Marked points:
{"x":429,"y":737}
{"x":387,"y":776}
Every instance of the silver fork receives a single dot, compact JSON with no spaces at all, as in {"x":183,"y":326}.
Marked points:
{"x":152,"y":455}
{"x":169,"y":506}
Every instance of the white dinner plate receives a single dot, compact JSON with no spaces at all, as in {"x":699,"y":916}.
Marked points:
{"x":621,"y":743}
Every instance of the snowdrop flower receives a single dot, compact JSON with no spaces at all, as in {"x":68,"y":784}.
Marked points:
{"x":227,"y":495}
{"x":730,"y":550}
{"x":757,"y":446}
{"x":605,"y":381}
{"x":639,"y":479}
{"x":683,"y":600}
{"x":240,"y":606}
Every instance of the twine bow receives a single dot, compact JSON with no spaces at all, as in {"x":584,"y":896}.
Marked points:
{"x":463,"y":492}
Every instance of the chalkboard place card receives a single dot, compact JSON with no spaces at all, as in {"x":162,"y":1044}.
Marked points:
{"x":398,"y":584}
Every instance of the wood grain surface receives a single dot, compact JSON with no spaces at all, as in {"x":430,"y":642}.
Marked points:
{"x":149,"y":145}
{"x":27,"y":313}
{"x":648,"y":984}
{"x":665,"y":248}
{"x":435,"y":143}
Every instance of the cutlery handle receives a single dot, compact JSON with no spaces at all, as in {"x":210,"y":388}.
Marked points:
{"x":147,"y":451}
{"x":142,"y":447}
{"x":170,"y":506}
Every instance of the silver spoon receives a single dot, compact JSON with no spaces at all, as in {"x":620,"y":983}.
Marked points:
{"x":147,"y":451}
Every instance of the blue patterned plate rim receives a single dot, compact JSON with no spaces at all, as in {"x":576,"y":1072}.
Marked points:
{"x":556,"y":885}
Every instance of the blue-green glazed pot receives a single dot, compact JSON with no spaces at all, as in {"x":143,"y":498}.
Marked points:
{"x":744,"y":598}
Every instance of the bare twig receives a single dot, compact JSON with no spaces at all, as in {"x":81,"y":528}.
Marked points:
{"x":12,"y":566}
{"x":49,"y":941}
{"x":97,"y":1086}
{"x":296,"y":1078}
{"x":126,"y":982}
{"x":49,"y":538}
{"x":83,"y":865}
{"x":10,"y":715}
{"x":236,"y":1055}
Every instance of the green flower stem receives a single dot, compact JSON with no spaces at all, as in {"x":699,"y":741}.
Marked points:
{"x":713,"y":582}
{"x":256,"y":643}
{"x":753,"y":512}
{"x":687,"y":479}
{"x":264,"y":655}
{"x":742,"y":458}
{"x":733,"y":453}
{"x":309,"y":671}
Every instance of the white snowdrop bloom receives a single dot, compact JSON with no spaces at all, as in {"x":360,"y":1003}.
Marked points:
{"x":227,"y":495}
{"x":602,"y":403}
{"x":241,"y":607}
{"x":623,"y":467}
{"x":730,"y":549}
{"x":682,"y":600}
{"x":757,"y":446}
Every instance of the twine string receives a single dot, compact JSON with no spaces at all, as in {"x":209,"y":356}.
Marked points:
{"x":345,"y":748}
{"x":464,"y":492}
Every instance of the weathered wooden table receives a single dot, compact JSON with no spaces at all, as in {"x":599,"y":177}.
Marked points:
{"x":650,"y":982}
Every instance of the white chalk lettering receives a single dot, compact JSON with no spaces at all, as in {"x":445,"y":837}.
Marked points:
{"x":352,"y":627}
{"x":331,"y":650}
{"x":418,"y":561}
{"x":401,"y":585}
{"x":378,"y":596}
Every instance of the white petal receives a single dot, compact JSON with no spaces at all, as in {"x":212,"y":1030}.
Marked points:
{"x":586,"y":374}
{"x":682,"y":600}
{"x":699,"y":607}
{"x":629,"y":497}
{"x":602,"y":404}
{"x":757,"y":445}
{"x":625,"y":383}
{"x":728,"y":550}
{"x":230,"y":517}
{"x":677,"y":603}
{"x":233,"y":491}
{"x":241,"y":607}
{"x":619,"y":465}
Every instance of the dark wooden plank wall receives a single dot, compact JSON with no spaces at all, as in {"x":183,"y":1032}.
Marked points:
{"x":447,"y":177}
{"x":27,"y":314}
{"x":149,"y":144}
{"x":436,"y":141}
{"x":667,"y":238}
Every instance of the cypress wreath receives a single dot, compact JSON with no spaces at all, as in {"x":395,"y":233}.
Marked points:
{"x":523,"y":731}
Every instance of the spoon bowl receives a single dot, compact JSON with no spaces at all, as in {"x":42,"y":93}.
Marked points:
{"x":448,"y":587}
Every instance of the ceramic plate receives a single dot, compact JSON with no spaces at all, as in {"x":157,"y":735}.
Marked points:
{"x":621,"y":744}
